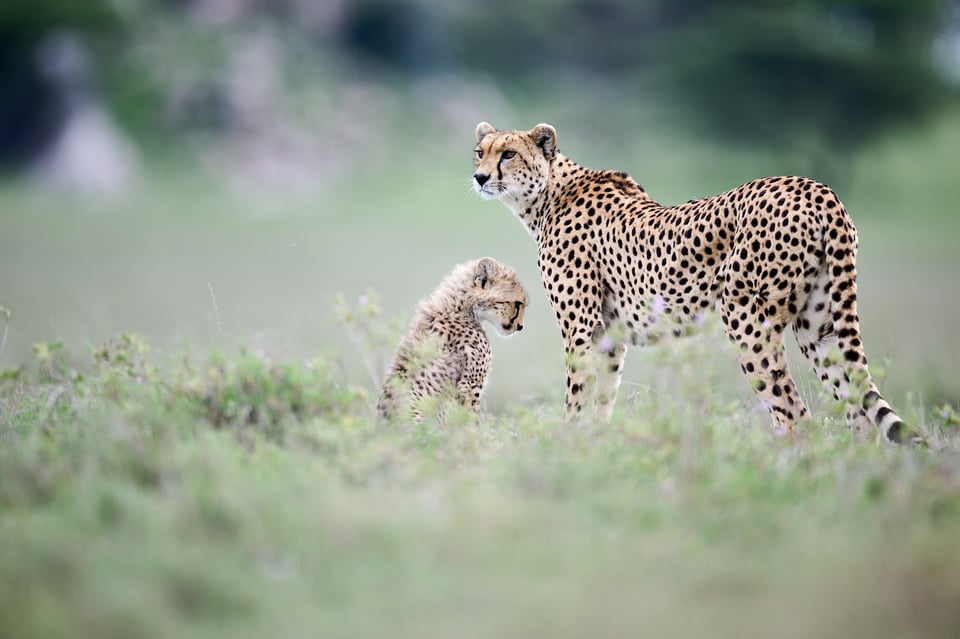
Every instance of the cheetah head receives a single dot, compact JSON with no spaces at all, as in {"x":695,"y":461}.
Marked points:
{"x":513,"y":166}
{"x":499,"y":298}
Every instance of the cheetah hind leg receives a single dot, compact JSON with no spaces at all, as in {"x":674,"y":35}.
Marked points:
{"x":835,"y":349}
{"x":609,"y":366}
{"x":763,"y":362}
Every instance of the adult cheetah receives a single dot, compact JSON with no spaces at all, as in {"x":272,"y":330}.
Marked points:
{"x":449,"y":320}
{"x":620,"y":268}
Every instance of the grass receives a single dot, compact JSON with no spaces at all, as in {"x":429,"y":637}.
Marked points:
{"x":245,"y":497}
{"x":233,"y":481}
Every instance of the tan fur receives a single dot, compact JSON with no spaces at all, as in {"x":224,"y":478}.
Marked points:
{"x":620,"y":269}
{"x":446,"y":353}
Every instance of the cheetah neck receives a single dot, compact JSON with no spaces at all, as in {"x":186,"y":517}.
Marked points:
{"x":566,"y":177}
{"x":451,"y":303}
{"x":533,"y":211}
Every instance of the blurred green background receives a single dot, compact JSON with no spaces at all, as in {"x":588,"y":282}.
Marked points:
{"x":210,"y":173}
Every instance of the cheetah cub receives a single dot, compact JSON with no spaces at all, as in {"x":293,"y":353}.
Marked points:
{"x":446,"y":353}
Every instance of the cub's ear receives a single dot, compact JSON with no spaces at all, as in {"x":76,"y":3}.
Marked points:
{"x":485,"y":273}
{"x":545,"y":136}
{"x":484,"y":129}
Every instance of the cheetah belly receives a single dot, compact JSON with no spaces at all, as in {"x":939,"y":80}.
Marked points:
{"x":654,"y":321}
{"x":644,"y":306}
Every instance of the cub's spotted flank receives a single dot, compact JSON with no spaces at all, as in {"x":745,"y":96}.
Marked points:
{"x":448,"y":321}
{"x":769,"y":254}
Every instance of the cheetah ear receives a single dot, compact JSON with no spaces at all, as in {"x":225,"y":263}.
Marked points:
{"x":486,"y":271}
{"x":484,"y":129}
{"x":545,"y":136}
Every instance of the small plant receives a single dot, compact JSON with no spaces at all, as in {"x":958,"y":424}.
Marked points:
{"x":123,"y":366}
{"x":126,"y":355}
{"x":7,"y":374}
{"x":949,"y":415}
{"x":51,"y":361}
{"x":372,"y":333}
{"x":5,"y":314}
{"x":251,"y":391}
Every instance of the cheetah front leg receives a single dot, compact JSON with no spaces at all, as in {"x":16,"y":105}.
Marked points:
{"x":578,"y":318}
{"x":581,"y":378}
{"x":468,"y":393}
{"x":472,"y":379}
{"x":593,"y":377}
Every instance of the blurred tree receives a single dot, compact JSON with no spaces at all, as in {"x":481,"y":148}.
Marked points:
{"x":818,"y":77}
{"x":32,"y":109}
{"x":407,"y":35}
{"x":822,"y":76}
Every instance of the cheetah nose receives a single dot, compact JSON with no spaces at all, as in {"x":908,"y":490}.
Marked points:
{"x":481,"y":178}
{"x":519,"y":327}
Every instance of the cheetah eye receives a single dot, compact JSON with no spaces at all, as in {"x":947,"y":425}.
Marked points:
{"x":479,"y":153}
{"x":507,"y":155}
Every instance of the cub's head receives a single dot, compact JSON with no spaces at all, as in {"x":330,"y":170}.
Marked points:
{"x":499,"y":297}
{"x":513,"y":166}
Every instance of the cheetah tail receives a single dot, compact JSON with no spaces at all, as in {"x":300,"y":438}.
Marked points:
{"x":841,"y":255}
{"x":882,"y":414}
